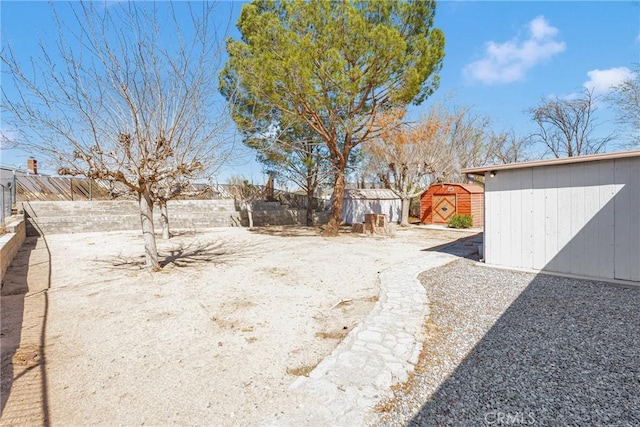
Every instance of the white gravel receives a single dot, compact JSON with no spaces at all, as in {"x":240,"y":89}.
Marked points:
{"x":507,"y":348}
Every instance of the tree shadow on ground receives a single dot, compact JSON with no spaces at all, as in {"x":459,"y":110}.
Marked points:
{"x":309,"y":231}
{"x":288,"y":230}
{"x":181,"y":233}
{"x":217,"y":252}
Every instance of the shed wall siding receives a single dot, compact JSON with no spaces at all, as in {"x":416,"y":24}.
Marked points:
{"x":477,"y":209}
{"x":463,"y":202}
{"x":354,"y":210}
{"x":467,"y":202}
{"x":426,"y":204}
{"x":580,"y":218}
{"x":627,"y":215}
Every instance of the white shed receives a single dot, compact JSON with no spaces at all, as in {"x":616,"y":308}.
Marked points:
{"x":575,"y":216}
{"x":358,"y":202}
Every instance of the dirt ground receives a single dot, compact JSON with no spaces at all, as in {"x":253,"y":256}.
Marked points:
{"x":219,"y":334}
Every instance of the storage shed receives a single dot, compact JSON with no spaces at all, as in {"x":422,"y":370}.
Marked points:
{"x":358,"y":202}
{"x":575,"y":216}
{"x":440,"y":201}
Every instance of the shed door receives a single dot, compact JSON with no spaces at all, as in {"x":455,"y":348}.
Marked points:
{"x":443,"y":208}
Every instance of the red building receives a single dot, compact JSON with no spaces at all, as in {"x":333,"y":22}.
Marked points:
{"x":440,"y":201}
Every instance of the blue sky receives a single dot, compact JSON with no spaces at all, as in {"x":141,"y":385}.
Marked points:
{"x":504,"y":57}
{"x":501,"y":57}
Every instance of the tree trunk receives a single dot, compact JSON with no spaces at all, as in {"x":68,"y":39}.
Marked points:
{"x":250,"y":214}
{"x":336,"y":206}
{"x":311,"y":189}
{"x":148,"y":233}
{"x":164,"y":219}
{"x":310,"y":214}
{"x":406,"y":203}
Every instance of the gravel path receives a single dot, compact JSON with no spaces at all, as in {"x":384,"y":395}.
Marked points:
{"x":508,"y":348}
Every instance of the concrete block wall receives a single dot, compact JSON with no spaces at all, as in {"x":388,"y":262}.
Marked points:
{"x":268,"y":206}
{"x":61,"y":217}
{"x":11,"y":242}
{"x":190,"y":214}
{"x":283,"y":216}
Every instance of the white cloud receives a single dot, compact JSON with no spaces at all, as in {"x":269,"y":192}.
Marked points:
{"x":601,"y":81}
{"x":509,"y":61}
{"x":540,"y":29}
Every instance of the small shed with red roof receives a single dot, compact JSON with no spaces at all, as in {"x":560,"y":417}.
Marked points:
{"x":441,"y":201}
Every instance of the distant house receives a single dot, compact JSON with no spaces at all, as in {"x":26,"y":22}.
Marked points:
{"x":358,"y":202}
{"x":8,"y":174}
{"x":574,"y":216}
{"x":9,"y":181}
{"x":441,"y":201}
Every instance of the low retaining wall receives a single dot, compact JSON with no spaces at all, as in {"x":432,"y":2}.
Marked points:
{"x":11,"y":242}
{"x":283,"y":217}
{"x":63,"y":217}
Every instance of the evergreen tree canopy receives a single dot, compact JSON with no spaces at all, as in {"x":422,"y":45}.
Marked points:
{"x":334,"y":65}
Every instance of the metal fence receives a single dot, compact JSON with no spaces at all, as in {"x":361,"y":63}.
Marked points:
{"x":7,"y":203}
{"x":35,"y":187}
{"x":254,"y":193}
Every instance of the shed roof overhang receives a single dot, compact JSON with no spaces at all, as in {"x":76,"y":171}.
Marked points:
{"x":370,"y":194}
{"x":471,"y":188}
{"x":552,"y":162}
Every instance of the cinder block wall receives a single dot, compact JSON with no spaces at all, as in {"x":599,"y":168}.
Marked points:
{"x":61,"y":217}
{"x":283,"y":217}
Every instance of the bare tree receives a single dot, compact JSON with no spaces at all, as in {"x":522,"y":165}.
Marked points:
{"x":507,"y":147}
{"x":626,"y":101}
{"x":566,"y":126}
{"x":469,"y":139}
{"x":407,"y":158}
{"x":123,"y":93}
{"x":168,"y":189}
{"x":244,"y":194}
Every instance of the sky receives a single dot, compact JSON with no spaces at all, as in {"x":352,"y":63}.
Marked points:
{"x":502,"y":57}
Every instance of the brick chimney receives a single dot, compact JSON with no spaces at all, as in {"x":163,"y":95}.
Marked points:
{"x":32,"y":165}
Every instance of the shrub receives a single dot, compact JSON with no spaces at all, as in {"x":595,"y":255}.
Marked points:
{"x":461,"y":221}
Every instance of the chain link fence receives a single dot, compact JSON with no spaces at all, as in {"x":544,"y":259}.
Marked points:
{"x":255,"y":193}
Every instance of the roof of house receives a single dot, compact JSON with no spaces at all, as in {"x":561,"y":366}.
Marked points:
{"x":370,"y":194}
{"x":553,"y":162}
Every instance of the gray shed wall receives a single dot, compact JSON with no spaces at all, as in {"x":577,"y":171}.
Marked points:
{"x":353,"y":210}
{"x":579,"y":218}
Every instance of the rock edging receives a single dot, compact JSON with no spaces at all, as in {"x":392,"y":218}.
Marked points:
{"x":344,"y":388}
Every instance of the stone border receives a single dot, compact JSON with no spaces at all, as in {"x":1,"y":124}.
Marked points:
{"x":344,"y":388}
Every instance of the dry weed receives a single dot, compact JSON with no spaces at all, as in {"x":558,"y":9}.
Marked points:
{"x":334,"y":335}
{"x":301,"y":371}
